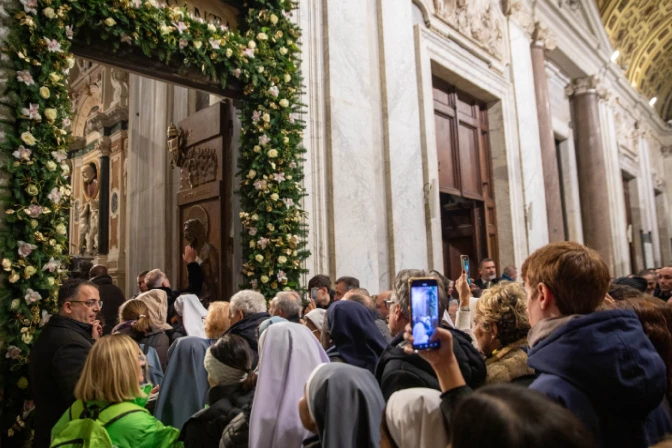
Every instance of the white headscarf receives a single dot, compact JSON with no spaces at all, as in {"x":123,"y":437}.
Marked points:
{"x":316,"y":317}
{"x":414,"y":418}
{"x":192,"y":311}
{"x":157,"y":304}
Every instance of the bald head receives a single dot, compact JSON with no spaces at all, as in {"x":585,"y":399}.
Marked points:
{"x":97,"y":270}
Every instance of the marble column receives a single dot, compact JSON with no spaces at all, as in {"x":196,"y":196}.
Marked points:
{"x":592,"y":168}
{"x":549,"y":158}
{"x":104,"y":197}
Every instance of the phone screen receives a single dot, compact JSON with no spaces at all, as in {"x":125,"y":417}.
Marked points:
{"x":313,"y":293}
{"x":464,"y":259}
{"x":424,"y":312}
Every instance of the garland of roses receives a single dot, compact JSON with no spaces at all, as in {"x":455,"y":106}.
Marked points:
{"x":264,"y":56}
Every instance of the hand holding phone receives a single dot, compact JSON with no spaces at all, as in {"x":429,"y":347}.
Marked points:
{"x":464,"y":261}
{"x":424,"y":312}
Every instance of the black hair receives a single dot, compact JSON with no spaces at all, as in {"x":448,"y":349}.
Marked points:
{"x":350,"y":282}
{"x":70,"y":289}
{"x":485,"y":260}
{"x":320,"y":281}
{"x":509,"y":416}
{"x":234,"y":351}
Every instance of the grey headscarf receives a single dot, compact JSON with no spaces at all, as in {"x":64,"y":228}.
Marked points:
{"x":346,"y":404}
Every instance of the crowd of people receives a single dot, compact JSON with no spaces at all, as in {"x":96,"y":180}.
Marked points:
{"x":560,"y":356}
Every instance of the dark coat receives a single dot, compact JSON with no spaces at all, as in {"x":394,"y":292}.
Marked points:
{"x":481,"y":284}
{"x":604,"y":369}
{"x":112,"y":298}
{"x":156,"y":338}
{"x":205,"y":428}
{"x":56,"y":362}
{"x":194,"y":286}
{"x":398,"y":371}
{"x":247,"y":329}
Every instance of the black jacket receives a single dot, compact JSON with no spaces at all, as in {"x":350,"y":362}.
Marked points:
{"x":398,"y":371}
{"x":112,"y":298}
{"x":247,"y":329}
{"x":155,"y":338}
{"x":56,"y":361}
{"x":481,"y":284}
{"x":195,"y":285}
{"x":205,"y":428}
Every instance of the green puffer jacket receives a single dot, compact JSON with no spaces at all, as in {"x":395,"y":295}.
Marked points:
{"x":137,"y":430}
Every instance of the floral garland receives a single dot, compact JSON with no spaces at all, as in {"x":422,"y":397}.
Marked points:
{"x":264,"y":57}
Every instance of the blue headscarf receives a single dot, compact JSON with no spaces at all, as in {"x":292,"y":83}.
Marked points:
{"x":185,"y":385}
{"x":355,"y":334}
{"x":267,"y":323}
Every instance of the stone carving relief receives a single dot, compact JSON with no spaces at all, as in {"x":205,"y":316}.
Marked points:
{"x":195,"y":230}
{"x":87,"y":218}
{"x":119,"y":81}
{"x":627,"y":134}
{"x":479,"y":20}
{"x":199,"y":167}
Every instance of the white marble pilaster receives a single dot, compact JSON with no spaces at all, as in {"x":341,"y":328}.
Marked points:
{"x":401,"y":128}
{"x":647,"y":199}
{"x":530,"y":146}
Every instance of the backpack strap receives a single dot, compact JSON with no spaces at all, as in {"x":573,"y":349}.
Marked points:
{"x":117,"y":411}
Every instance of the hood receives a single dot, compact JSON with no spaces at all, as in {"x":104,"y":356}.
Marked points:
{"x":247,"y":328}
{"x":608,"y":356}
{"x":102,"y":280}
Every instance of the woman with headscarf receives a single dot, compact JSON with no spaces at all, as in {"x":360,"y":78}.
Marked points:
{"x":354,"y":334}
{"x":134,"y":321}
{"x":413,"y":419}
{"x":191,"y":313}
{"x":288,"y":353}
{"x":157,"y":304}
{"x":232,"y":380}
{"x":184,"y":387}
{"x":314,"y":320}
{"x":343,"y":406}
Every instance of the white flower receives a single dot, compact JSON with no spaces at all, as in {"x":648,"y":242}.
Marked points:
{"x":262,"y":36}
{"x":252,"y":231}
{"x":272,"y":153}
{"x":288,"y":77}
{"x":29,"y":271}
{"x":60,"y":229}
{"x":49,"y":13}
{"x":165,"y":29}
{"x":51,"y":114}
{"x":274,"y":19}
{"x":55,"y":196}
{"x":253,"y":284}
{"x":32,"y":296}
{"x":44,"y":92}
{"x":30,"y":6}
{"x":51,"y":166}
{"x":260,"y":69}
{"x":25,"y":249}
{"x":197,"y":44}
{"x":33,"y":210}
{"x":237,"y":71}
{"x":260,"y":184}
{"x":45,"y":318}
{"x":264,"y":140}
{"x":53,"y":45}
{"x":282,"y":259}
{"x":126,"y":39}
{"x":256,"y":115}
{"x":229,"y":52}
{"x":137,"y":3}
{"x":266,"y":118}
{"x":263,"y":242}
{"x":52,"y":265}
{"x":291,"y":118}
{"x":25,"y":77}
{"x":15,"y":304}
{"x":59,"y":156}
{"x":212,"y":28}
{"x":181,"y":26}
{"x":284,"y":103}
{"x":254,"y":217}
{"x":13,"y":352}
{"x":264,"y":279}
{"x":259,"y":258}
{"x":22,"y":153}
{"x":224,"y":28}
{"x":66,"y":122}
{"x":283,"y":51}
{"x":288,"y":202}
{"x":68,"y":32}
{"x":282,"y":277}
{"x":32,"y":112}
{"x":214,"y":43}
{"x":110,"y":21}
{"x":27,"y":338}
{"x":183,"y":43}
{"x":274,"y":91}
{"x":66,"y":169}
{"x":292,"y":164}
{"x":252,"y":45}
{"x":275,"y":197}
{"x":279,"y":177}
{"x":6,"y":264}
{"x":14,"y":277}
{"x":248,"y":53}
{"x":251,"y":174}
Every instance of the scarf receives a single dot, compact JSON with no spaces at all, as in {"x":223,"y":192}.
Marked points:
{"x":545,"y":327}
{"x":221,"y":373}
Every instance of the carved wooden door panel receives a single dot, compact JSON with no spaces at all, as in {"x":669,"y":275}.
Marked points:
{"x":204,"y":198}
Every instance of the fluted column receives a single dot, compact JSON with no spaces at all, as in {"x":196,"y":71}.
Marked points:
{"x":592,"y":168}
{"x":549,"y":159}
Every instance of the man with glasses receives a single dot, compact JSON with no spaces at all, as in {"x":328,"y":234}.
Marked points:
{"x":383,"y":303}
{"x":59,"y":354}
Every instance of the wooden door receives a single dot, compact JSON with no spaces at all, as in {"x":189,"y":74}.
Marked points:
{"x":465,"y":170}
{"x":204,"y":199}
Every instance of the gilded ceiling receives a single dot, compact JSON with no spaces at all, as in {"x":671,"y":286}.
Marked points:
{"x":642,"y":31}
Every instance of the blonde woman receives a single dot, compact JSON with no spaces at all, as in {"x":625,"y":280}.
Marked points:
{"x":501,"y":327}
{"x":109,"y":390}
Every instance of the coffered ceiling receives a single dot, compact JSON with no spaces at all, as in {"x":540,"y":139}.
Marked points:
{"x":642,"y":31}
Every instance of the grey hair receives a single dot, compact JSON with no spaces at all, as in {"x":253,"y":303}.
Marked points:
{"x":289,"y":302}
{"x":350,"y":282}
{"x":509,"y":270}
{"x":363,"y":300}
{"x":401,"y":294}
{"x":154,"y":278}
{"x":247,"y":301}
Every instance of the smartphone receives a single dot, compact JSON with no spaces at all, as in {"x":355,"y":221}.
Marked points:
{"x":464,"y":259}
{"x":424,"y":312}
{"x":313,"y":294}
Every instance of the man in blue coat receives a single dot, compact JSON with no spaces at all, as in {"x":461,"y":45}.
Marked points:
{"x":597,"y":363}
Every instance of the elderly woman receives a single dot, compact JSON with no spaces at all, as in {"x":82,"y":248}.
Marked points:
{"x":500,"y":330}
{"x":217,"y":321}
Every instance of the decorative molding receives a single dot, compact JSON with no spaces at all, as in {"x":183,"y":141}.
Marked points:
{"x":581,"y":86}
{"x":479,"y":20}
{"x":199,"y":168}
{"x":542,"y":36}
{"x":104,"y":145}
{"x":520,"y":12}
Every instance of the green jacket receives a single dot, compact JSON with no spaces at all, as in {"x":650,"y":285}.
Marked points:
{"x":137,"y":430}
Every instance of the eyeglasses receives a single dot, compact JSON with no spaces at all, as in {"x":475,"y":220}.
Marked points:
{"x":389,"y":303}
{"x":89,"y":303}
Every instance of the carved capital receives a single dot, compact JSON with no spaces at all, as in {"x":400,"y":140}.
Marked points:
{"x":542,"y":37}
{"x":104,"y":145}
{"x":519,"y":11}
{"x":581,"y":86}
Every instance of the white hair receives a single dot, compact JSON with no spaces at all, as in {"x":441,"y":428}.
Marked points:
{"x":289,"y":302}
{"x":247,"y":301}
{"x":154,"y":278}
